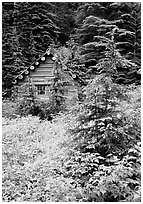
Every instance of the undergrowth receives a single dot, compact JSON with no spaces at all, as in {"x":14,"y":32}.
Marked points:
{"x":106,"y":156}
{"x":54,"y":162}
{"x":32,"y":155}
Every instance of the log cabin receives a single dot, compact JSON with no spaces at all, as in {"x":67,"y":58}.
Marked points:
{"x":41,"y":75}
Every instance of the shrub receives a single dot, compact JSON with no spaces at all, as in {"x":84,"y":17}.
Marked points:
{"x":100,"y":119}
{"x":106,"y":179}
{"x":8,"y":108}
{"x":33,"y":153}
{"x":28,"y":104}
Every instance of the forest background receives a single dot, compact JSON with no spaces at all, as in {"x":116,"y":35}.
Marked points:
{"x":29,"y":28}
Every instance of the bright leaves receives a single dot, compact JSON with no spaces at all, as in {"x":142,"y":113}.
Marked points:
{"x":43,"y":161}
{"x":30,"y":159}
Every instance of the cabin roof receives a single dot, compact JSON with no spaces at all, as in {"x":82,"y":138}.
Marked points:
{"x":49,"y":52}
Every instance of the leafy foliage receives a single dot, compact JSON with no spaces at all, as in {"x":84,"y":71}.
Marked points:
{"x":105,"y":155}
{"x":31,"y":160}
{"x":38,"y":156}
{"x":106,"y":179}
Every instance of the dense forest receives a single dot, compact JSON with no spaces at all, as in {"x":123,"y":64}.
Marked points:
{"x":29,"y":28}
{"x":88,"y":150}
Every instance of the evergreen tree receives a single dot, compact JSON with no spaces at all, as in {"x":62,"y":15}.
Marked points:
{"x":90,"y":9}
{"x":90,"y":33}
{"x":127,"y":17}
{"x":28,"y":29}
{"x":65,"y":12}
{"x":38,"y":26}
{"x":94,"y":33}
{"x":12,"y":50}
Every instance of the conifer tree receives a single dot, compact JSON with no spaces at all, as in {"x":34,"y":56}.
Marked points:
{"x":94,"y":32}
{"x":65,"y":12}
{"x":90,"y":33}
{"x":12,"y":50}
{"x":127,"y":17}
{"x":98,"y":133}
{"x":28,"y":29}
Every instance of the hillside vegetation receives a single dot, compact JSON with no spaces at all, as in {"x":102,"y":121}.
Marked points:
{"x":41,"y":161}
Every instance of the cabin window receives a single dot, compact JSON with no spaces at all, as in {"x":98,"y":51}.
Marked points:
{"x":41,"y":89}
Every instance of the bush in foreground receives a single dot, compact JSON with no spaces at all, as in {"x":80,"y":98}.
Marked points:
{"x":105,"y":160}
{"x":32,"y":156}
